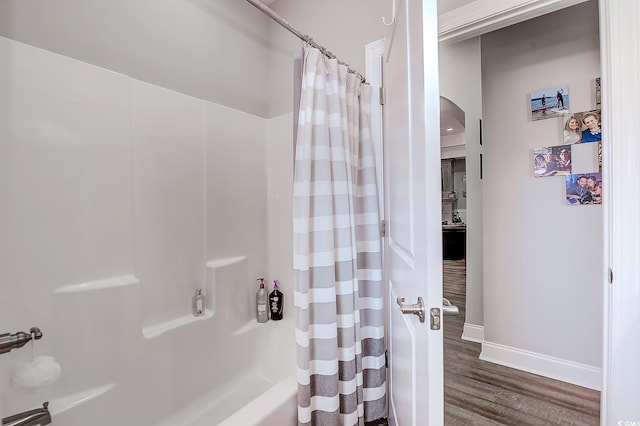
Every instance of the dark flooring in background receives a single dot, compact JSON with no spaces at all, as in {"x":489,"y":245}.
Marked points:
{"x":480,"y":393}
{"x":380,"y":422}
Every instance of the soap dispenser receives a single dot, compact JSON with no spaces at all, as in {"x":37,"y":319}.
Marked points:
{"x":198,"y":303}
{"x":276,"y":302}
{"x":261,"y":303}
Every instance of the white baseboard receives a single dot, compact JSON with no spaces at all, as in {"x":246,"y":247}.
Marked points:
{"x":555,"y":368}
{"x":473,"y":333}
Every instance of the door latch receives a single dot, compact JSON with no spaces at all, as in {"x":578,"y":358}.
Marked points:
{"x":415,"y":309}
{"x":434,"y":313}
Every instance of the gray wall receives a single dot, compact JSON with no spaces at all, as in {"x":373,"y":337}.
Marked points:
{"x":460,"y":82}
{"x":330,"y":23}
{"x":542,"y":258}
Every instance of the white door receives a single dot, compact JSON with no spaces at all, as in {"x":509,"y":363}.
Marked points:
{"x":412,"y":209}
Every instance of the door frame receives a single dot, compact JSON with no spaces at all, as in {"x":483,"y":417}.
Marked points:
{"x":619,"y":34}
{"x":483,"y":16}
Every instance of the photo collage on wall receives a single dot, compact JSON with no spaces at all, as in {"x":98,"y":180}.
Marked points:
{"x":578,"y":128}
{"x":550,"y":103}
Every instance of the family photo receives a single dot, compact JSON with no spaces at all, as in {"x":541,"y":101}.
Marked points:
{"x":550,"y":103}
{"x":585,"y":188}
{"x":583,"y":127}
{"x":552,"y":161}
{"x":577,"y":128}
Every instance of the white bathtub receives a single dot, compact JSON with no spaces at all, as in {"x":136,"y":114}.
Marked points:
{"x":250,"y":401}
{"x":221,"y":368}
{"x":275,"y":407}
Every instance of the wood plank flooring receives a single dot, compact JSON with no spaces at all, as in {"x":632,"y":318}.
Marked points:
{"x":481,"y":393}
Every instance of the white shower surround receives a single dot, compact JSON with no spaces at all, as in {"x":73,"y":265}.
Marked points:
{"x":123,"y":199}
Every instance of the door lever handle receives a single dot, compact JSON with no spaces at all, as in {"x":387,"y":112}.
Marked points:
{"x":415,"y":309}
{"x":448,"y":308}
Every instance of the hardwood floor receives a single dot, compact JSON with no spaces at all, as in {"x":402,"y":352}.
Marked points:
{"x":482,"y":393}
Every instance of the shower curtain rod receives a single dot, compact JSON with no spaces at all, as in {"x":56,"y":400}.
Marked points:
{"x":273,"y":15}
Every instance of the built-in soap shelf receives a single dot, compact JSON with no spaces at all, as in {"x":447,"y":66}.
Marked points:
{"x":224,"y":261}
{"x":254,"y":325}
{"x":60,"y":405}
{"x":157,"y":330}
{"x":113,"y":282}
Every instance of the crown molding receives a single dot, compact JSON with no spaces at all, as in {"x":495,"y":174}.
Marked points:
{"x":483,"y":16}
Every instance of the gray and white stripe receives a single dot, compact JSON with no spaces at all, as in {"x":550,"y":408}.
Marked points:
{"x":337,"y":251}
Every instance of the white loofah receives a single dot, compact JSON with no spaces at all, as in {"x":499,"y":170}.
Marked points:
{"x":41,"y":372}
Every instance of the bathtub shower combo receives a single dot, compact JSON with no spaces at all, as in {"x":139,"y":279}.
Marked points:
{"x":126,"y":198}
{"x":243,"y":375}
{"x":123,"y":202}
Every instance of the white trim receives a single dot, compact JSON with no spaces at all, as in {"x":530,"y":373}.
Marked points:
{"x":483,"y":16}
{"x":473,"y":333}
{"x":544,"y":365}
{"x":619,"y":40}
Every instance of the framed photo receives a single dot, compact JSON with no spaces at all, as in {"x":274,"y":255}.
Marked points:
{"x":550,"y":103}
{"x":591,"y":130}
{"x":585,"y":188}
{"x":552,"y":161}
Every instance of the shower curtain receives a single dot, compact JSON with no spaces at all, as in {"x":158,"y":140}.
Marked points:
{"x":337,"y":251}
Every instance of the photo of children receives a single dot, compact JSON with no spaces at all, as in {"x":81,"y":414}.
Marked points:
{"x":552,"y":161}
{"x":550,"y":103}
{"x":591,"y":130}
{"x":585,"y":188}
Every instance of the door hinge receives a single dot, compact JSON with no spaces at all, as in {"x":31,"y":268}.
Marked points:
{"x":386,"y":358}
{"x":383,"y":96}
{"x":610,"y":276}
{"x":383,"y":228}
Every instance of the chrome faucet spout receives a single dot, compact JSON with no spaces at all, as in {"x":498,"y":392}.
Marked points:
{"x":37,"y":417}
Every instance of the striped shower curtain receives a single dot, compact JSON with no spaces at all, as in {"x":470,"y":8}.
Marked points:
{"x":337,"y":251}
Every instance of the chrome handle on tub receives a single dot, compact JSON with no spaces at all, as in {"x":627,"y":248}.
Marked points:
{"x":415,"y":309}
{"x":14,"y":341}
{"x":39,"y":416}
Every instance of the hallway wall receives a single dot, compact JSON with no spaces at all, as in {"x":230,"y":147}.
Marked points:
{"x":543,"y":259}
{"x":460,"y":81}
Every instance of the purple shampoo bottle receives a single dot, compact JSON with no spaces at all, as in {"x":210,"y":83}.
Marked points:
{"x":276,"y":302}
